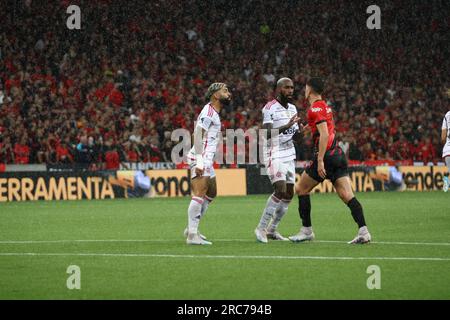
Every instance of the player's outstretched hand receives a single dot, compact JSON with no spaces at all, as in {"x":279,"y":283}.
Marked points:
{"x":295,"y":119}
{"x":304,"y":128}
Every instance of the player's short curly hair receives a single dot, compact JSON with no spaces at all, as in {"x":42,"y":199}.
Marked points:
{"x":213,"y":88}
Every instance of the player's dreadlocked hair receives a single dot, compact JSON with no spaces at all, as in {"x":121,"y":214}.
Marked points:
{"x":213,"y":89}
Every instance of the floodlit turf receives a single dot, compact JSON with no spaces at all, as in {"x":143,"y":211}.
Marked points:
{"x":144,"y":255}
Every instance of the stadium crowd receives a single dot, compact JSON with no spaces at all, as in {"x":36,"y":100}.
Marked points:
{"x":115,"y":90}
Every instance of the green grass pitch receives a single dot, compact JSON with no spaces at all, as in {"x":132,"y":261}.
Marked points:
{"x":134,"y":249}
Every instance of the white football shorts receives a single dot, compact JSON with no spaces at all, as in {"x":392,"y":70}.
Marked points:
{"x":278,"y":170}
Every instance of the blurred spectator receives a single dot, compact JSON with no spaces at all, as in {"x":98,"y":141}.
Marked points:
{"x":83,"y":152}
{"x":6,"y":150}
{"x":63,"y":154}
{"x":166,"y":151}
{"x":112,"y":159}
{"x":132,"y":151}
{"x":395,"y":181}
{"x":154,"y":152}
{"x":22,"y":151}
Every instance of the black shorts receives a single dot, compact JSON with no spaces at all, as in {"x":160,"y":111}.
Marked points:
{"x":335,"y":165}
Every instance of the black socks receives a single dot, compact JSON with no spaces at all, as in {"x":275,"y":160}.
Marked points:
{"x":304,"y":209}
{"x":357,"y":212}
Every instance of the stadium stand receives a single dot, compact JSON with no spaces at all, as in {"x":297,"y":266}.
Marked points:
{"x":116,"y":89}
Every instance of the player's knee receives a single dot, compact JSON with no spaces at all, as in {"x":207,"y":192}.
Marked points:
{"x":279,"y":194}
{"x":279,"y":190}
{"x":302,"y":190}
{"x":289,"y":195}
{"x":211,"y":194}
{"x":346,"y":196}
{"x":199,"y":193}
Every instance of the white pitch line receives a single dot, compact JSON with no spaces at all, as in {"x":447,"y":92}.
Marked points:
{"x":218,"y":240}
{"x":184,"y":256}
{"x":86,"y":241}
{"x":395,"y":243}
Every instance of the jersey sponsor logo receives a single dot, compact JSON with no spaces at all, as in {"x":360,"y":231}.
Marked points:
{"x":289,"y":131}
{"x":328,"y":110}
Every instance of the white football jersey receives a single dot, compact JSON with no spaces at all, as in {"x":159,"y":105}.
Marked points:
{"x":446,"y":126}
{"x":280,"y":147}
{"x":209,"y":120}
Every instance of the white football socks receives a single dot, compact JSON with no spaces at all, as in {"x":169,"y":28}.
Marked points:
{"x":279,"y":213}
{"x":206,"y":201}
{"x":269,"y":211}
{"x":194,"y":214}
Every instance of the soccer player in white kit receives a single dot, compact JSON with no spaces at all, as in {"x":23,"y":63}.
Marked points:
{"x":279,"y":159}
{"x":445,"y":137}
{"x":201,"y":157}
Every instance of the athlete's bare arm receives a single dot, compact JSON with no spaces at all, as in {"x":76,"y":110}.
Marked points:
{"x":444,"y":135}
{"x":269,"y":126}
{"x":323,"y":141}
{"x":198,"y":147}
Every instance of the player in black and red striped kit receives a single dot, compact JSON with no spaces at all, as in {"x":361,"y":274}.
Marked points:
{"x":329,"y":163}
